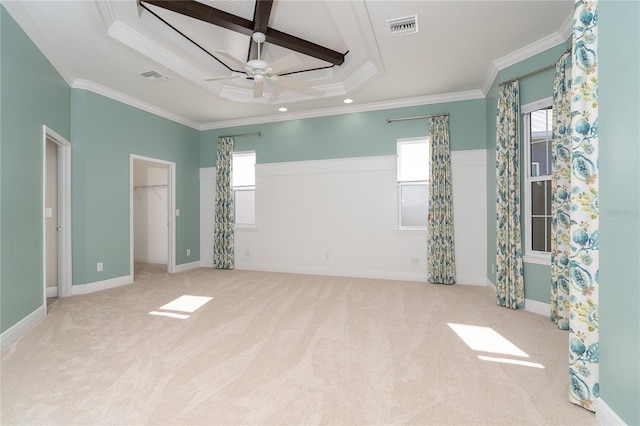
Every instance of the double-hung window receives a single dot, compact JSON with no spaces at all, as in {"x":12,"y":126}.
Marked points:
{"x":413,"y":183}
{"x":538,"y":121}
{"x":244,"y":188}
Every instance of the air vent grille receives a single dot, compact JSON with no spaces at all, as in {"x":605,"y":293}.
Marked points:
{"x":154,"y":76}
{"x":403,"y":26}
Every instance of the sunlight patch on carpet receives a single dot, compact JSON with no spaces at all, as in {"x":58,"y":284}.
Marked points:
{"x":486,"y":339}
{"x":511,"y":361}
{"x":184,"y":303}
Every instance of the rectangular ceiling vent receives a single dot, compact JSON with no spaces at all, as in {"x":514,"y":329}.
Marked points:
{"x":403,"y":26}
{"x":154,"y":76}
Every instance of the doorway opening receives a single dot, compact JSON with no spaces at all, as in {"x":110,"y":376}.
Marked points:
{"x":56,"y":218}
{"x":152,"y":219}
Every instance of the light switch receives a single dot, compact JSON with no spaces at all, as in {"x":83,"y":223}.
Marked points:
{"x":48,"y":212}
{"x":177,"y":212}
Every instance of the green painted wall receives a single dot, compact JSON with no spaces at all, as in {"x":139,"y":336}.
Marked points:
{"x":33,"y":94}
{"x":349,"y":135}
{"x":539,"y":86}
{"x":104,"y":133}
{"x":619,"y":113}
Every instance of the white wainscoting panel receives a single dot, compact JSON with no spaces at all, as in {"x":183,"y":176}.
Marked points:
{"x":339,"y":217}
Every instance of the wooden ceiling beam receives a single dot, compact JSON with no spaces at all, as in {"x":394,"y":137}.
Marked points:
{"x":261,"y":14}
{"x":262,"y":11}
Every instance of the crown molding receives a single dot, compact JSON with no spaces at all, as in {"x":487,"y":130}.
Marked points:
{"x":347,"y":109}
{"x":131,"y":101}
{"x":539,"y":46}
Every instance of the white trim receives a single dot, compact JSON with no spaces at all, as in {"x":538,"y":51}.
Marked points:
{"x":330,"y":166}
{"x":207,"y":173}
{"x":64,"y":212}
{"x":491,"y":285}
{"x":23,"y":326}
{"x":536,"y":105}
{"x":102,"y":285}
{"x":348,"y":109}
{"x":131,"y":101}
{"x":51,"y":292}
{"x":536,"y":307}
{"x":187,"y":266}
{"x":153,"y":260}
{"x":538,"y":259}
{"x":470,"y":280}
{"x":605,"y":415}
{"x":171,"y":192}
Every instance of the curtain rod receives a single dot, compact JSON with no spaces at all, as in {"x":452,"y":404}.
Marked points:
{"x":390,"y":120}
{"x":242,"y":134}
{"x":529,"y":74}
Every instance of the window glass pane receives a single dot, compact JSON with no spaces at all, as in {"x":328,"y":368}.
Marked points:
{"x":414,"y":201}
{"x":245,"y":207}
{"x":549,"y":234}
{"x":244,"y":170}
{"x":413,"y":161}
{"x":538,"y":201}
{"x":538,"y":233}
{"x":540,"y":137}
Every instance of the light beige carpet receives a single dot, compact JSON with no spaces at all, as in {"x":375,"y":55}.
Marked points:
{"x":287,"y":349}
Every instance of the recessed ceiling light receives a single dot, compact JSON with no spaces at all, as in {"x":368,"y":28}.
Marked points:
{"x":282,"y":109}
{"x":348,"y":101}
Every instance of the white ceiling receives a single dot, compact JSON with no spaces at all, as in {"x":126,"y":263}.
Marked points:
{"x":104,"y":45}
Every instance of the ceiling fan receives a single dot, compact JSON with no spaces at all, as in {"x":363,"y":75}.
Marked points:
{"x":260,"y":70}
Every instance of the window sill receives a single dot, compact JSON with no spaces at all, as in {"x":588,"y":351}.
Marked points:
{"x":538,"y":259}
{"x":245,"y":228}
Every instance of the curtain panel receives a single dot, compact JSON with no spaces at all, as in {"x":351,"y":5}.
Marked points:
{"x":224,"y":220}
{"x":441,"y":262}
{"x":561,"y":193}
{"x":510,"y":270}
{"x":584,"y":387}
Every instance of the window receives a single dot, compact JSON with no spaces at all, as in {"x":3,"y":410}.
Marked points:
{"x":244,"y":188}
{"x":413,"y":183}
{"x":537,"y":135}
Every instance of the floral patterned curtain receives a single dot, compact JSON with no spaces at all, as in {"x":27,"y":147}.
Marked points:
{"x":224,"y":220}
{"x":584,"y":252}
{"x":561,"y":193}
{"x":510,"y":271}
{"x":441,"y":259}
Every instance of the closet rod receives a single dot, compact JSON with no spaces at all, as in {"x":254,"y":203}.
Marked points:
{"x":529,"y":74}
{"x":390,"y":120}
{"x":242,"y":134}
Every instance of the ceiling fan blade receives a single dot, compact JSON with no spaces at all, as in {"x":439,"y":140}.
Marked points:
{"x":283,"y":63}
{"x":233,"y":59}
{"x":258,"y":88}
{"x":223,"y":77}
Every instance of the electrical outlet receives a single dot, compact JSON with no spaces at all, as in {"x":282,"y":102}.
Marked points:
{"x":247,"y":253}
{"x":188,"y":252}
{"x":100,"y":267}
{"x":415,"y":261}
{"x":326,"y":257}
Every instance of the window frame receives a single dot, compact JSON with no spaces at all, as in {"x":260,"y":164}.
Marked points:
{"x":238,"y":188}
{"x":530,"y":255}
{"x":402,"y":183}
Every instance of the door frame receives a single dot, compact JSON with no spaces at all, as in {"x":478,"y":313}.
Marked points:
{"x":64,"y":213}
{"x":171,"y":195}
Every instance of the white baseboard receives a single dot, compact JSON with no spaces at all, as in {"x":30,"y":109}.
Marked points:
{"x":101,"y":285}
{"x":22,"y":327}
{"x":605,"y":415}
{"x":52,"y":291}
{"x":470,"y":280}
{"x":206,"y":263}
{"x":491,"y":285}
{"x":146,"y":259}
{"x":335,"y":272}
{"x":187,"y":266}
{"x":536,"y":307}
